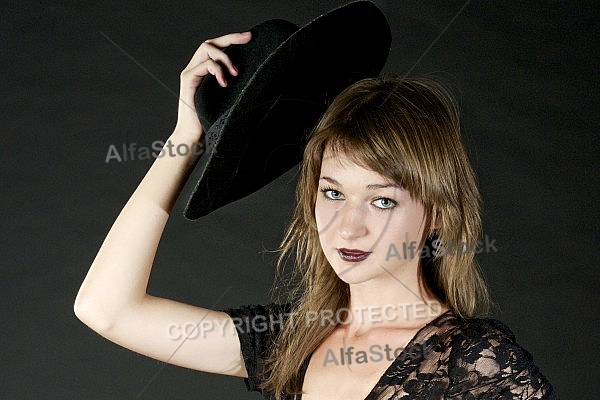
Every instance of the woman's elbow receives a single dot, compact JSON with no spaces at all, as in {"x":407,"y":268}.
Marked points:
{"x":92,"y":314}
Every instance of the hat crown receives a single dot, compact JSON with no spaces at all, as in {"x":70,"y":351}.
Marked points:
{"x":212,"y":100}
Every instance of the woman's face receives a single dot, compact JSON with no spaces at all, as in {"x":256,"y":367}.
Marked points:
{"x":369,"y":228}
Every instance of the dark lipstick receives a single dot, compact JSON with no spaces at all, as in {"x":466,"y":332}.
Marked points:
{"x":353,"y":255}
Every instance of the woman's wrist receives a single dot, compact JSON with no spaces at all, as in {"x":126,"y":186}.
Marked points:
{"x":185,"y":144}
{"x":183,"y":134}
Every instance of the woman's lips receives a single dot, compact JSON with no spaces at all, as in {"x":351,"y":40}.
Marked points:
{"x":353,"y":255}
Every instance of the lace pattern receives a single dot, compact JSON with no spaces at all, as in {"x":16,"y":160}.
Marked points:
{"x":465,"y":359}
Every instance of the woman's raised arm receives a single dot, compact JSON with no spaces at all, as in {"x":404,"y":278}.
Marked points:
{"x":112,"y":299}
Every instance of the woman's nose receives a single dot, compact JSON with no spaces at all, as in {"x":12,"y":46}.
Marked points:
{"x":352,"y":221}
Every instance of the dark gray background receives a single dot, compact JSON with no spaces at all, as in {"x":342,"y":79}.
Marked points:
{"x":527,"y":78}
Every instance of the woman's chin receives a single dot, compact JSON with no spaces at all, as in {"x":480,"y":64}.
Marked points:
{"x":353,"y":272}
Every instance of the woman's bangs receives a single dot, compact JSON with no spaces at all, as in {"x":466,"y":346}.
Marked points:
{"x":370,"y":152}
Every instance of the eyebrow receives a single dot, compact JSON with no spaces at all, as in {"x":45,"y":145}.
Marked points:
{"x":372,"y":186}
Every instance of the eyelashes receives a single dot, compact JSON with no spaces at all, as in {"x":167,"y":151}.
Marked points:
{"x":327,"y":192}
{"x":390,"y":203}
{"x":380,"y":203}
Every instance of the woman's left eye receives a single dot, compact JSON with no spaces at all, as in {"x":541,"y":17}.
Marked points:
{"x":384,"y":203}
{"x":332,"y":194}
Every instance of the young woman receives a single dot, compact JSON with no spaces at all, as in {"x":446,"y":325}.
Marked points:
{"x":384,"y":236}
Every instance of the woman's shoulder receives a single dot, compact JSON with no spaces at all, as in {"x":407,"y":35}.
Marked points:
{"x":474,"y":339}
{"x":259,"y":310}
{"x":482,"y":355}
{"x":257,"y":326}
{"x":259,"y":317}
{"x":477,"y":332}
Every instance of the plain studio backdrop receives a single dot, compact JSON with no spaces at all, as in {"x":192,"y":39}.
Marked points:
{"x":80,"y":78}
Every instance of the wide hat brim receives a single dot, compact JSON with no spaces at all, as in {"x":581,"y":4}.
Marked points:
{"x":263,"y":132}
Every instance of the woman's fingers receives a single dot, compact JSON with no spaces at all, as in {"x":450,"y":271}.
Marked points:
{"x":209,"y":58}
{"x":232,"y":38}
{"x":218,"y":55}
{"x":212,"y":49}
{"x":209,"y":66}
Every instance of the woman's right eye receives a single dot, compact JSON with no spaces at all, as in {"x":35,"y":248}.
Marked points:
{"x":332,"y":194}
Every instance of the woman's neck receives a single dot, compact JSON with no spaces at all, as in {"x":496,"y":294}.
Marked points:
{"x":396,"y":303}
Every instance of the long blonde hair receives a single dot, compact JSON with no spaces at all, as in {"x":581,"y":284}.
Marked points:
{"x":406,"y":130}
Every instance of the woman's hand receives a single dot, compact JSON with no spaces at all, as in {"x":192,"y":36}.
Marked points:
{"x":208,"y":59}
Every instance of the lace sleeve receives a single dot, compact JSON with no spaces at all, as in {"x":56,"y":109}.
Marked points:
{"x":257,"y":327}
{"x":486,"y":362}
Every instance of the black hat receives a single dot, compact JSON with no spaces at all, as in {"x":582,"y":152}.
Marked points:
{"x":257,"y":126}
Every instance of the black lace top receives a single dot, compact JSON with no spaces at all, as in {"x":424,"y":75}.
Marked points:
{"x":465,"y":359}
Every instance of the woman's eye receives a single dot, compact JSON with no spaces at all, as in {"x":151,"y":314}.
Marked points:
{"x":332,"y":194}
{"x":384,"y":203}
